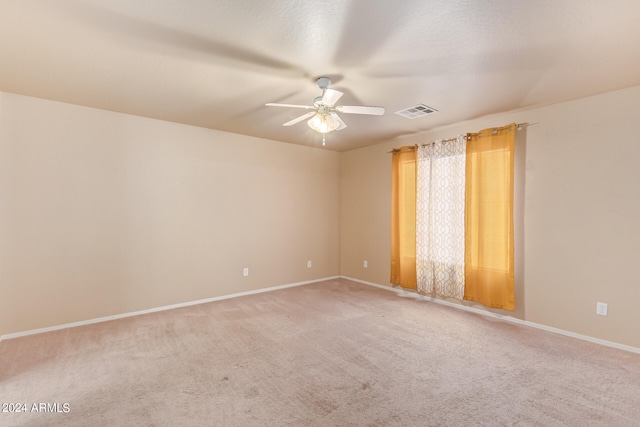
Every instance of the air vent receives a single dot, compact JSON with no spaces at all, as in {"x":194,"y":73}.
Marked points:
{"x":416,"y":111}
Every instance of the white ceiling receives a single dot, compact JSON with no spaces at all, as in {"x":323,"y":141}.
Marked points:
{"x":216,"y":63}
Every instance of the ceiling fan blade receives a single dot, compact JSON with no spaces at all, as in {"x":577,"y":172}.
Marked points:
{"x":339,"y":120}
{"x":299,"y":119}
{"x":330,"y":97}
{"x":306,"y":107}
{"x":168,"y":40}
{"x":360,"y":109}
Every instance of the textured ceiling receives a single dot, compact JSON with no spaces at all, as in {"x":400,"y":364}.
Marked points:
{"x":216,"y":63}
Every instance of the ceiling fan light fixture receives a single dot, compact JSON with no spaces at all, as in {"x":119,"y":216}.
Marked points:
{"x":323,"y":123}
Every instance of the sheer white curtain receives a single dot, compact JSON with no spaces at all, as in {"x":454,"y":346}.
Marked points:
{"x":440,"y":203}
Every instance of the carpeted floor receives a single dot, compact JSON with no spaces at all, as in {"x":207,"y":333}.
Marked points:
{"x":334,"y":353}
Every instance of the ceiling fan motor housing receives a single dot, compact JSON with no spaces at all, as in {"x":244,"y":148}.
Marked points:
{"x":323,"y":82}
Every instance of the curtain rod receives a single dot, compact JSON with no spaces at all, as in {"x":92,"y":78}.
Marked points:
{"x":518,"y":127}
{"x":496,"y":130}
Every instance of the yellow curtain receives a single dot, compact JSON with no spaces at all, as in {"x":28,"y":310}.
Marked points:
{"x":489,"y":218}
{"x":403,"y":217}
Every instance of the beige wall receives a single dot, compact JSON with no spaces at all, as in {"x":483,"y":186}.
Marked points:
{"x":581,"y":200}
{"x":104,"y":213}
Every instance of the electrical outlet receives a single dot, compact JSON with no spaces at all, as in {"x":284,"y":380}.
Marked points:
{"x":309,"y":264}
{"x":601,"y":308}
{"x":365,"y":264}
{"x":245,"y":272}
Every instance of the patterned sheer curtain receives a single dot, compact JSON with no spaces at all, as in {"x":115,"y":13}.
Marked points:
{"x":440,"y":218}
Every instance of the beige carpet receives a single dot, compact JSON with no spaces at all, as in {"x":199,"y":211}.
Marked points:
{"x":334,"y":353}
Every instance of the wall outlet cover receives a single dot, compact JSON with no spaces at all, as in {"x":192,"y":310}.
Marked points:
{"x":601,"y":308}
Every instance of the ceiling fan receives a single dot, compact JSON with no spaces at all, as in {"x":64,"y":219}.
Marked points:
{"x":324,"y":118}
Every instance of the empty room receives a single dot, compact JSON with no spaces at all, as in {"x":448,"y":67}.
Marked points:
{"x":319,"y":213}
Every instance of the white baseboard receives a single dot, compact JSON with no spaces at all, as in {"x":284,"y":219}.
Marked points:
{"x":153,"y":310}
{"x":499,"y":316}
{"x":398,"y":291}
